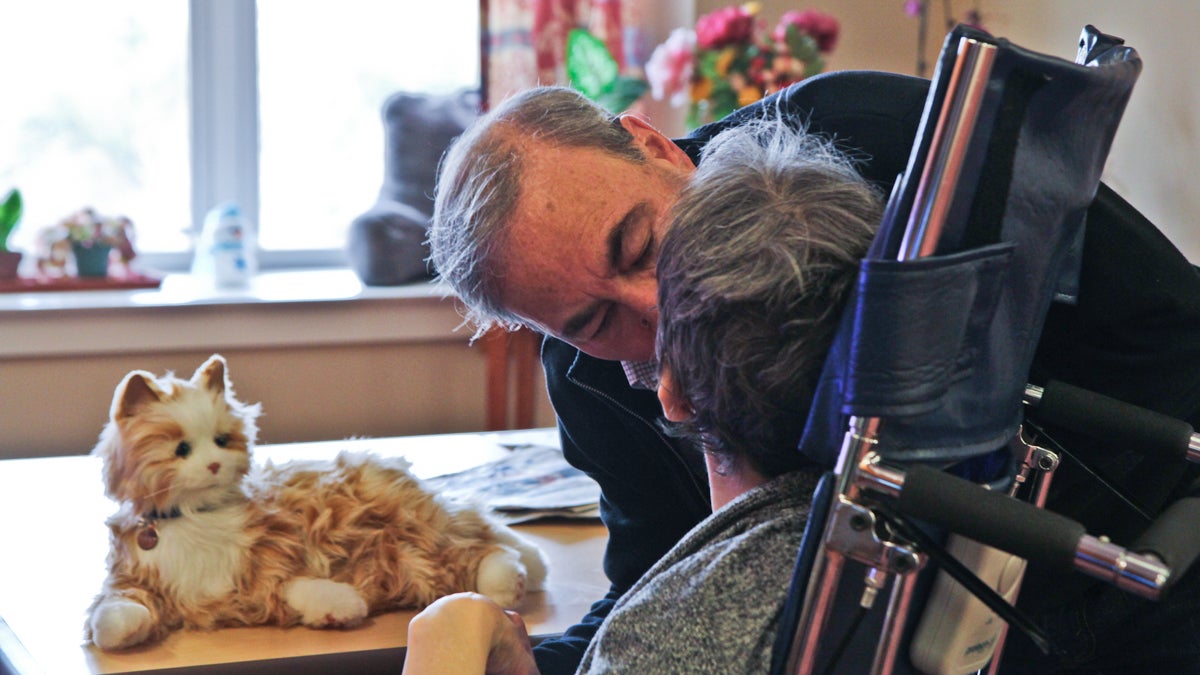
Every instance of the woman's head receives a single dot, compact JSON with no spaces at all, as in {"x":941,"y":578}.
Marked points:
{"x":753,"y":273}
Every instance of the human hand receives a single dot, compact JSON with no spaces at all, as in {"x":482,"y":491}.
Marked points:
{"x":511,"y":652}
{"x":468,"y":633}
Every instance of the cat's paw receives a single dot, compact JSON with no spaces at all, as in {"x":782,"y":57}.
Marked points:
{"x":501,"y":577}
{"x":531,"y":557}
{"x":326,"y":604}
{"x":535,"y":565}
{"x":117,"y":624}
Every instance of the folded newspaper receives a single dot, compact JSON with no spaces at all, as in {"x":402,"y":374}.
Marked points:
{"x":532,"y":481}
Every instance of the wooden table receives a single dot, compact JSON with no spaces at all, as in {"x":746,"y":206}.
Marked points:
{"x":53,"y":543}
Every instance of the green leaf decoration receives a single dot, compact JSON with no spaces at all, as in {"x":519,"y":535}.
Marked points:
{"x":707,"y":65}
{"x":10,"y":215}
{"x":590,"y":66}
{"x":804,"y":47}
{"x":623,"y":92}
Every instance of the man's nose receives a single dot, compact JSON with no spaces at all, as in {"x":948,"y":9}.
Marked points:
{"x":641,"y":297}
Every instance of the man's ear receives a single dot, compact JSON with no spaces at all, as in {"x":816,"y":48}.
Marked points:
{"x":653,"y":143}
{"x":676,"y":408}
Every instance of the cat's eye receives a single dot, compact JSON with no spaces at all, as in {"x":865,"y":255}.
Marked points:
{"x":183,"y":449}
{"x":222,"y":440}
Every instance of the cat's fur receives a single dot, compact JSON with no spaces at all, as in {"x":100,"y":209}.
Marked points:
{"x":205,"y":538}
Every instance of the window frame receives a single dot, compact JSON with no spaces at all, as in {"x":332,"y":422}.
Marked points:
{"x":224,"y":128}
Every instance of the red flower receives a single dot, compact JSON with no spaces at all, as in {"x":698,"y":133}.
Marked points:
{"x":823,"y":28}
{"x":726,"y":26}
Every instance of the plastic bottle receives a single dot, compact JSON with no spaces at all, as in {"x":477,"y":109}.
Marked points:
{"x":227,"y":251}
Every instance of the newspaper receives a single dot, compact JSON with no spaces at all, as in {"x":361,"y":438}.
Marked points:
{"x":533,"y":481}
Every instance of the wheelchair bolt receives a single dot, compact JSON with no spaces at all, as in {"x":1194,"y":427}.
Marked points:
{"x":859,"y":522}
{"x":903,"y":564}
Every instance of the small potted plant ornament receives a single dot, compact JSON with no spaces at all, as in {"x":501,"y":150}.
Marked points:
{"x":10,"y":216}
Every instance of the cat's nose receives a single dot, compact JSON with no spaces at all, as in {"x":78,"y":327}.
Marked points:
{"x":214,"y":467}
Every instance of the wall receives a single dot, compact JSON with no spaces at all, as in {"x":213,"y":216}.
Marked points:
{"x":372,"y":367}
{"x":57,"y":406}
{"x":1156,"y":154}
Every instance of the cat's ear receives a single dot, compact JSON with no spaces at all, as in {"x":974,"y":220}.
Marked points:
{"x":135,"y":391}
{"x":212,"y":375}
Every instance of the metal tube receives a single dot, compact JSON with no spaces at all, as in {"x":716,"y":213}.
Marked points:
{"x":894,"y":621}
{"x":818,"y":602}
{"x":1142,"y":574}
{"x":823,"y":581}
{"x":951,"y":140}
{"x":1041,"y":488}
{"x":873,"y":474}
{"x":859,"y":442}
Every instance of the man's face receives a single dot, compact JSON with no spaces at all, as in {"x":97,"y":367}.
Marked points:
{"x":580,"y":259}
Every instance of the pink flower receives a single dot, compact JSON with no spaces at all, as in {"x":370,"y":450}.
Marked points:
{"x":913,"y":7}
{"x":823,"y":28}
{"x":726,"y":26}
{"x":669,"y":70}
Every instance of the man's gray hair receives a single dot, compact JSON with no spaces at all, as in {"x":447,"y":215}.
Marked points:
{"x":479,"y":185}
{"x":753,"y":273}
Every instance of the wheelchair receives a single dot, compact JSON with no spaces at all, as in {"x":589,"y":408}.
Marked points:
{"x":944,"y":454}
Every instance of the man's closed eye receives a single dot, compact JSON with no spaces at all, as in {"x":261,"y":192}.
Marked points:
{"x":605,"y":323}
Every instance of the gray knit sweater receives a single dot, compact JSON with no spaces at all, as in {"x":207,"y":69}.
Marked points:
{"x":712,"y":604}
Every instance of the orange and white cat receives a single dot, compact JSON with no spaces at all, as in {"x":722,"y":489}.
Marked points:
{"x":204,"y":537}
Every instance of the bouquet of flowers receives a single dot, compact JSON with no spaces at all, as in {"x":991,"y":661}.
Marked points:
{"x":730,"y":60}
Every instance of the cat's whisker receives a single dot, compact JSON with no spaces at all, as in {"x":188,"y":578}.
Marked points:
{"x":155,"y":493}
{"x":158,"y":492}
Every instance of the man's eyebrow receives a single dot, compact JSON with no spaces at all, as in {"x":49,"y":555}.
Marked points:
{"x":576,"y":324}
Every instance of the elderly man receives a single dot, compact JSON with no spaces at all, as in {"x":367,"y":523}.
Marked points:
{"x":794,"y":219}
{"x":549,"y":214}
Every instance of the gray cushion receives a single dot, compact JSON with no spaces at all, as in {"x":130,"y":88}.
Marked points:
{"x":386,"y":244}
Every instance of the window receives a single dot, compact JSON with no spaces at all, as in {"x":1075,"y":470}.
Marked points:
{"x":95,"y":113}
{"x":162,"y":109}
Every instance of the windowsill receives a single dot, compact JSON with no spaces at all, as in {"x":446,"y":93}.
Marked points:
{"x":286,"y":308}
